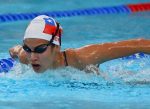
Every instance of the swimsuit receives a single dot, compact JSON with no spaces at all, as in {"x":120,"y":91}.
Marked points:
{"x":66,"y":62}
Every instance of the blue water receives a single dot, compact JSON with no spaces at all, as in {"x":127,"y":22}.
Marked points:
{"x":126,"y":83}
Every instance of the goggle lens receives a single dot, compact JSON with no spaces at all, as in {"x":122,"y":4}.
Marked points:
{"x":38,"y":49}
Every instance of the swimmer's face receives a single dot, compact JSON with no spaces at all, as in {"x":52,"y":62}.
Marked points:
{"x":40,"y":62}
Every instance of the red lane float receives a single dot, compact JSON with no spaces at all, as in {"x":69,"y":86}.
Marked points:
{"x":139,"y":7}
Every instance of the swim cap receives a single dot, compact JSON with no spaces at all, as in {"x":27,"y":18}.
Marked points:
{"x":44,"y":27}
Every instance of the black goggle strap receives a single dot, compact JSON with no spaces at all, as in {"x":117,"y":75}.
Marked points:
{"x":60,"y":37}
{"x":53,"y":35}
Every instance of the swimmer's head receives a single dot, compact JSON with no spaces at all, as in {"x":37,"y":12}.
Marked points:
{"x":44,"y":27}
{"x":42,"y":42}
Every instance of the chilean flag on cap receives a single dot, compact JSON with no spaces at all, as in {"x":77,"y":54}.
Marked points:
{"x":50,"y":26}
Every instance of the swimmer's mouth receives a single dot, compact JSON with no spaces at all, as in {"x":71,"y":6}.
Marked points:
{"x":36,"y":66}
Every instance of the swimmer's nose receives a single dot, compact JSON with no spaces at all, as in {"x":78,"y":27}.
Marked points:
{"x":34,"y":57}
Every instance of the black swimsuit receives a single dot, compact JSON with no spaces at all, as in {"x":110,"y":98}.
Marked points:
{"x":66,"y":62}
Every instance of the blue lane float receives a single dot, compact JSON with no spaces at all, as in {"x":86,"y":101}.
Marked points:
{"x":7,"y":64}
{"x":135,"y":56}
{"x":69,"y":13}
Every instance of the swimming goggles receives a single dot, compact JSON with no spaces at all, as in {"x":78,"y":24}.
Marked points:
{"x":41,"y":48}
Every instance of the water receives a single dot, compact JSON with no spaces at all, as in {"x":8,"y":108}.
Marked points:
{"x":127,"y":81}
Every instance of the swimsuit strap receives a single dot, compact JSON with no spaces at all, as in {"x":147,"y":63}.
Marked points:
{"x":66,"y":62}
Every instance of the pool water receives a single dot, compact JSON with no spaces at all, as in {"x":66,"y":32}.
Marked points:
{"x":126,"y":82}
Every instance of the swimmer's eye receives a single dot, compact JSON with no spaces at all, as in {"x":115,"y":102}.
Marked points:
{"x":27,"y":49}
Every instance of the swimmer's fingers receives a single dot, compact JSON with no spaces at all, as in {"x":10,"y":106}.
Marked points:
{"x":14,"y":51}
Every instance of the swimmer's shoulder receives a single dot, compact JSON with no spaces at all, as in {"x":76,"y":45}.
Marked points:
{"x":88,"y":54}
{"x":73,"y":58}
{"x":71,"y":53}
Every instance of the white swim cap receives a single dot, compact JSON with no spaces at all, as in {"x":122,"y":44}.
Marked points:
{"x":44,"y":27}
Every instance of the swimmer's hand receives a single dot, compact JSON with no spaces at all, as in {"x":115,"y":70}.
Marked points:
{"x":18,"y":52}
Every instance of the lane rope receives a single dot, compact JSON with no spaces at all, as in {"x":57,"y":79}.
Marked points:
{"x":6,"y":64}
{"x":127,"y":9}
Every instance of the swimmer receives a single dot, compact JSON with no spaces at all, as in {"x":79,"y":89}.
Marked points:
{"x":41,"y":48}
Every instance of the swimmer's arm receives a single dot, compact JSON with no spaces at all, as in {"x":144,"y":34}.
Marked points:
{"x":18,"y":52}
{"x":99,"y":53}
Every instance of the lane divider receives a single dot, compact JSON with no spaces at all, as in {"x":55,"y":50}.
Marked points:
{"x":130,"y":8}
{"x":6,"y":64}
